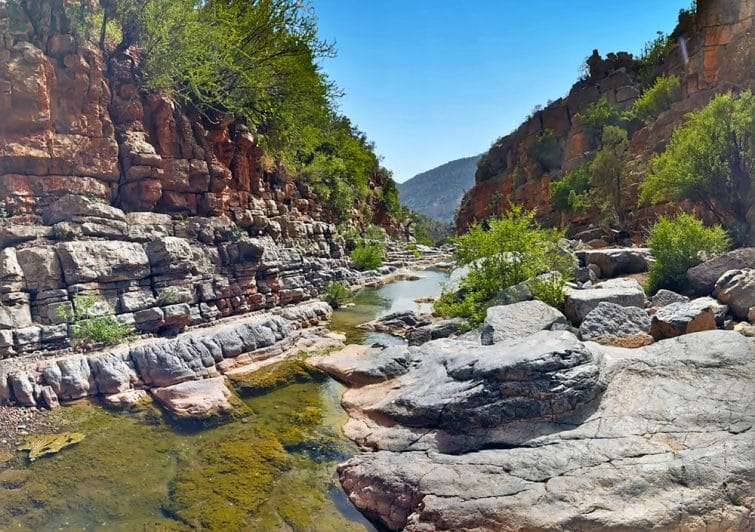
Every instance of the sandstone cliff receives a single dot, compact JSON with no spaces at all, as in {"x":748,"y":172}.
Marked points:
{"x":719,"y":48}
{"x":110,"y":190}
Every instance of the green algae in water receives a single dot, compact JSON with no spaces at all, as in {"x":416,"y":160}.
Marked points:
{"x":41,"y":445}
{"x":275,"y":376}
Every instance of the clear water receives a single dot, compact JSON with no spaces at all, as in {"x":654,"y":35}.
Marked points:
{"x":273,"y":468}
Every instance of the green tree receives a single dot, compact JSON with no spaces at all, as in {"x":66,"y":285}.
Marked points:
{"x":547,"y":150}
{"x":608,"y":168}
{"x":597,"y":116}
{"x":570,"y":193}
{"x":658,"y":98}
{"x":709,"y":160}
{"x":677,"y":244}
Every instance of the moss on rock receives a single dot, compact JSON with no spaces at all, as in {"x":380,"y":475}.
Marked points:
{"x":275,"y":376}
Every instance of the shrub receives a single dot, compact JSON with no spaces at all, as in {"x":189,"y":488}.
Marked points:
{"x":336,"y":294}
{"x":708,"y":160}
{"x":658,"y":98}
{"x":677,"y":244}
{"x":376,"y":233}
{"x":547,"y":150}
{"x":608,"y":168}
{"x":570,"y":192}
{"x":597,"y":116}
{"x":90,"y":329}
{"x":368,"y":256}
{"x":549,"y":289}
{"x":514,"y":248}
{"x":653,"y":54}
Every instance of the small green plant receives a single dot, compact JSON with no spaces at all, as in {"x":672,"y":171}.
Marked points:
{"x":63,"y":233}
{"x":237,"y":233}
{"x":677,"y":244}
{"x":570,"y":193}
{"x":336,"y":294}
{"x":549,"y":288}
{"x":412,"y":248}
{"x":376,"y":233}
{"x":658,"y":98}
{"x":653,"y":54}
{"x":547,"y":150}
{"x":92,"y":330}
{"x":514,"y":248}
{"x":170,"y":295}
{"x":368,"y":256}
{"x":597,"y":116}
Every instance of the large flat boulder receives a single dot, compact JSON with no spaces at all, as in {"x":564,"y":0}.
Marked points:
{"x":624,"y":292}
{"x":612,"y":324}
{"x":358,"y":365}
{"x":198,"y":400}
{"x":103,"y":261}
{"x":617,"y":261}
{"x":518,"y":320}
{"x":677,"y":319}
{"x":702,"y":278}
{"x":667,"y":446}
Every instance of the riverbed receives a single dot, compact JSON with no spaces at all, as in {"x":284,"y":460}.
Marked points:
{"x":270,"y":468}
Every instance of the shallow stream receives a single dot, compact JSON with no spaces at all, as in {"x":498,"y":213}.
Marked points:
{"x":271,"y":468}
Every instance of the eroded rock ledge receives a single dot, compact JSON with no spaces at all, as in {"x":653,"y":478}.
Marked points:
{"x":548,"y":432}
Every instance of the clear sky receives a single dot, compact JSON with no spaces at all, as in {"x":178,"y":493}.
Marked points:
{"x":430,"y":81}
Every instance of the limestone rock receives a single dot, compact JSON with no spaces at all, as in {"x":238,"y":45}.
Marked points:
{"x":702,"y":278}
{"x":435,"y":330}
{"x":624,"y":292}
{"x":613,"y":324}
{"x":358,"y":365}
{"x":665,"y":297}
{"x":736,"y":289}
{"x":654,"y":452}
{"x":72,"y":208}
{"x":518,"y":320}
{"x":199,"y":400}
{"x":617,"y":261}
{"x":684,"y":318}
{"x":103,"y":261}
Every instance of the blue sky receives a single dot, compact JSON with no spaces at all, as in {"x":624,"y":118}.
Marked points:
{"x":430,"y":81}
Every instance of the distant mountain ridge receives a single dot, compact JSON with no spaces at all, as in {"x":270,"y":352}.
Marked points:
{"x":437,"y":192}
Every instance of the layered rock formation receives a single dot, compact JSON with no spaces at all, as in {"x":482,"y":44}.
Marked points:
{"x":550,"y":433}
{"x":716,"y":58}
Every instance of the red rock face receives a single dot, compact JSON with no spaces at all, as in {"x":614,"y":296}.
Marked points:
{"x":719,"y":58}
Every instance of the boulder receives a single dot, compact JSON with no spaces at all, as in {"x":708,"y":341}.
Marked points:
{"x":654,"y":451}
{"x":612,"y":324}
{"x":518,"y":320}
{"x":73,"y":208}
{"x":617,"y":261}
{"x":736,"y":289}
{"x":396,"y":323}
{"x":70,"y":378}
{"x":684,"y":318}
{"x":41,"y":268}
{"x":358,"y":365}
{"x":624,"y":292}
{"x":103,"y":261}
{"x":665,"y":297}
{"x":702,"y":278}
{"x":197,"y":400}
{"x":437,"y":329}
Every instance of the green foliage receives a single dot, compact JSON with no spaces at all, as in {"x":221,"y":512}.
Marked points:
{"x":336,"y":294}
{"x":549,"y":288}
{"x":375,"y":233}
{"x":653,"y":54}
{"x":570,"y":193}
{"x":597,"y":116}
{"x":658,"y":98}
{"x":518,"y":177}
{"x":547,"y":150}
{"x":90,"y":329}
{"x":677,"y":244}
{"x":709,"y":159}
{"x":514,"y":248}
{"x":368,"y":256}
{"x":608,"y":168}
{"x":389,"y":200}
{"x":496,"y":203}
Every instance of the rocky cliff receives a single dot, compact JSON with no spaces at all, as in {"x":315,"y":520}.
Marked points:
{"x":718,"y":57}
{"x":109,"y":190}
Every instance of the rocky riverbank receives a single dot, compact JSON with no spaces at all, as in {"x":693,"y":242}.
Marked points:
{"x":549,"y":420}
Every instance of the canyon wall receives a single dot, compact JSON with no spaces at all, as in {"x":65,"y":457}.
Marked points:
{"x":109,"y":190}
{"x":719,"y":58}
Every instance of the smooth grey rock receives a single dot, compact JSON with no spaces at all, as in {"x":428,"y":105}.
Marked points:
{"x":580,"y":302}
{"x":510,"y":322}
{"x":15,"y":316}
{"x":41,"y":268}
{"x":10,"y":270}
{"x":437,"y":329}
{"x":358,"y":365}
{"x":103,"y":261}
{"x":665,"y":297}
{"x":702,"y":278}
{"x":23,"y":389}
{"x":736,"y":290}
{"x":72,"y":208}
{"x":112,"y":373}
{"x":669,"y":446}
{"x":613,"y":324}
{"x":617,"y":261}
{"x":70,"y":378}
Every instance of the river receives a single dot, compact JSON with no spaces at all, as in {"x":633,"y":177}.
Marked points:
{"x":270,"y":469}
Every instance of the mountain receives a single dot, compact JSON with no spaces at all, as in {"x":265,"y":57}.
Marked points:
{"x":438,"y":192}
